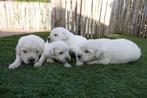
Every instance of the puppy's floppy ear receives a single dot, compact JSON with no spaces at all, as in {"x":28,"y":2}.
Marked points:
{"x":98,"y":53}
{"x":52,"y":51}
{"x":18,"y":49}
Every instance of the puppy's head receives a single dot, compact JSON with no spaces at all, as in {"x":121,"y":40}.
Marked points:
{"x":60,"y":52}
{"x":88,"y":53}
{"x":59,"y":34}
{"x":29,"y":50}
{"x":30,"y":55}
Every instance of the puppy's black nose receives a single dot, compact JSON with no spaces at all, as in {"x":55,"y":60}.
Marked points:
{"x":49,"y":39}
{"x":67,"y":58}
{"x":31,"y":60}
{"x":79,"y":55}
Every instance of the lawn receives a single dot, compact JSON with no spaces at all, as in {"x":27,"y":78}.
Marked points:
{"x":55,"y":81}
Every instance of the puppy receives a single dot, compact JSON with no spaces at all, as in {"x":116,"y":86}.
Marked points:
{"x":58,"y":50}
{"x":28,"y":50}
{"x":106,"y":51}
{"x":74,"y":41}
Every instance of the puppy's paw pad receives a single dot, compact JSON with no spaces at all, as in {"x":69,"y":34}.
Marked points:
{"x":12,"y":66}
{"x":79,"y":63}
{"x":50,"y":61}
{"x":67,"y":65}
{"x":37,"y":64}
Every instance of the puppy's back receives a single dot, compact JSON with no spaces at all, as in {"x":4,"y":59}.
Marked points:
{"x":123,"y":51}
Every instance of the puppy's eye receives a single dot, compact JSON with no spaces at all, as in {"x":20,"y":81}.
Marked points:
{"x":55,"y":35}
{"x":61,"y":52}
{"x":24,"y":51}
{"x":87,"y":51}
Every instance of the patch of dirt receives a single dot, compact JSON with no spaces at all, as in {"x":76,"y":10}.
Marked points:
{"x":4,"y":33}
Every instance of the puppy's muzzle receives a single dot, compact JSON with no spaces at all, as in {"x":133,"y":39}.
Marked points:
{"x":68,"y":58}
{"x":79,"y":56}
{"x":31,"y":60}
{"x":49,"y":39}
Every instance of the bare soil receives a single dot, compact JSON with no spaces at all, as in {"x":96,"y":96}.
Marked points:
{"x":4,"y":33}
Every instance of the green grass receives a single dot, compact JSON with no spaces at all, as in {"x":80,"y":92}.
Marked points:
{"x":55,"y":81}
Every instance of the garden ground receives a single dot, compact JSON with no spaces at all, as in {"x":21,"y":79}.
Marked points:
{"x":56,"y":81}
{"x":10,"y":32}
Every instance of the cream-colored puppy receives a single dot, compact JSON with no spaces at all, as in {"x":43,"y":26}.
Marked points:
{"x":58,"y":50}
{"x":107,"y":51}
{"x":28,"y":50}
{"x":74,"y":41}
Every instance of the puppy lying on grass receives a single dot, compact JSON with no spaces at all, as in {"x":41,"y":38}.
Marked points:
{"x":58,"y":50}
{"x":73,"y":41}
{"x":107,"y":51}
{"x":28,"y":50}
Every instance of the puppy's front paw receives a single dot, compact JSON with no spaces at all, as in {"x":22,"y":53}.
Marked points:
{"x":67,"y":65}
{"x":50,"y":61}
{"x":79,"y":63}
{"x":37,"y":64}
{"x":13,"y":66}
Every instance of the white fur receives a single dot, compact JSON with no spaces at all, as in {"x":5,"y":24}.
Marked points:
{"x":58,"y":50}
{"x":107,"y":51}
{"x":28,"y":48}
{"x":74,"y":41}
